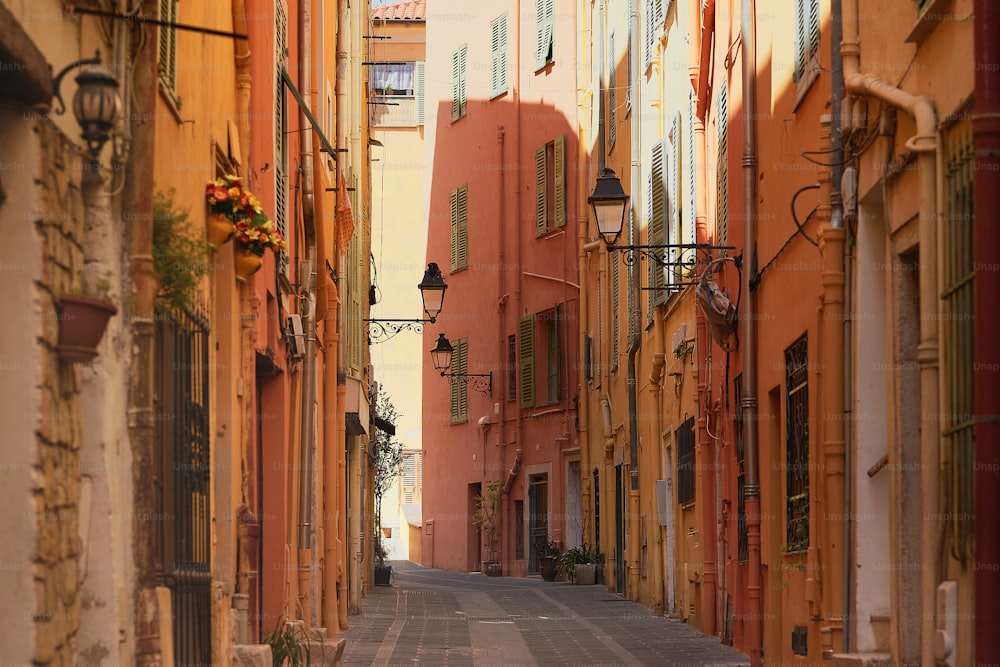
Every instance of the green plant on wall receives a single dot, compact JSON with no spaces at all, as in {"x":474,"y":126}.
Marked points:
{"x":179,"y":257}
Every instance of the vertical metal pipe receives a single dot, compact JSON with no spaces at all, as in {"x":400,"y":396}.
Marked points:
{"x":307,"y":277}
{"x":986,"y":136}
{"x":749,"y":335}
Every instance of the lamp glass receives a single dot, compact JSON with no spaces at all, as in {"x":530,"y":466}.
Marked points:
{"x":432,"y":289}
{"x":96,"y":105}
{"x":441,"y":354}
{"x":609,"y":202}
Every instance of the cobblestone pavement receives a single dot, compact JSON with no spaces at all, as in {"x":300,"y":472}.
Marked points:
{"x":434,"y":617}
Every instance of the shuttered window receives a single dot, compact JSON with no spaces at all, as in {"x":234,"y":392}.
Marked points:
{"x":280,"y":130}
{"x":459,"y":389}
{"x":656,"y":221}
{"x":553,"y":355}
{"x":544,"y":26}
{"x":685,"y":462}
{"x":458,"y":99}
{"x":550,"y":186}
{"x":615,"y":309}
{"x":168,"y":51}
{"x":655,"y":13}
{"x":460,"y":228}
{"x":418,"y":90}
{"x":722,"y":167}
{"x":498,"y":68}
{"x":511,"y":367}
{"x":806,"y":40}
{"x":526,"y":360}
{"x":612,"y":97}
{"x":797,"y":445}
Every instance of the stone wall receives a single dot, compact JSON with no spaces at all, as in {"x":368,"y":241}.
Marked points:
{"x":56,"y":474}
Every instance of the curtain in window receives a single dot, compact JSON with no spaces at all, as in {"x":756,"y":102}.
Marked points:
{"x":397,"y":77}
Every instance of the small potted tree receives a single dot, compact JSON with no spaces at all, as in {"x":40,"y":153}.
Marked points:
{"x":385,"y":457}
{"x":487,"y":517}
{"x":579,"y":564}
{"x":548,"y":559}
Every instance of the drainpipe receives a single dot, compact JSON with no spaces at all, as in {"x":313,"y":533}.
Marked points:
{"x":655,"y":380}
{"x":344,"y":545}
{"x":837,"y":222}
{"x":831,"y":406}
{"x":986,"y":135}
{"x":700,"y":54}
{"x":925,"y":144}
{"x":635,"y":340}
{"x":583,"y":254}
{"x":307,"y":274}
{"x":333,"y":445}
{"x":501,"y":348}
{"x":748,"y":12}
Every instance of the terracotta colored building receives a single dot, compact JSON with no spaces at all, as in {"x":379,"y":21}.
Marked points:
{"x":502,"y":153}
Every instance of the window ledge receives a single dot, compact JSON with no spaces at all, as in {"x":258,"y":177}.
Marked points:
{"x":810,"y":73}
{"x":935,"y":13}
{"x":169,"y":96}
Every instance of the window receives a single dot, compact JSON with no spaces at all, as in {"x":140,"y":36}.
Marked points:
{"x":519,"y":530}
{"x":959,"y":296}
{"x":498,"y":67}
{"x":550,"y":322}
{"x":742,"y":543}
{"x":168,"y":52}
{"x":459,"y":389}
{"x":550,"y":186}
{"x":526,"y":360}
{"x":685,"y":462}
{"x":612,"y":97}
{"x":394,"y":89}
{"x":545,"y":14}
{"x":409,"y":477}
{"x":628,"y":56}
{"x":511,"y":367}
{"x":658,"y":203}
{"x":460,"y":228}
{"x":615,"y":309}
{"x":588,"y":357}
{"x":722,"y":167}
{"x":458,"y":100}
{"x":797,"y":445}
{"x":806,"y":45}
{"x":280,"y":127}
{"x":655,"y":16}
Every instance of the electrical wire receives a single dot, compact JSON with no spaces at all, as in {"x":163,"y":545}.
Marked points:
{"x":795,"y":218}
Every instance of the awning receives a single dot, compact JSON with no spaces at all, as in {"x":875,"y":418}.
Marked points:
{"x":323,"y":141}
{"x":384,"y":425}
{"x":353,"y":423}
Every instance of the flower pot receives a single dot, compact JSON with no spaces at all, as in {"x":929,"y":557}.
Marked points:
{"x":383,"y":575}
{"x":492,"y":568}
{"x":585,"y":574}
{"x":547,"y":567}
{"x":246,"y":264}
{"x":82,"y":321}
{"x":218,"y":230}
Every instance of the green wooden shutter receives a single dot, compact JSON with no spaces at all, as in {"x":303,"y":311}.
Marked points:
{"x":458,"y":100}
{"x":418,"y":91}
{"x":553,"y":357}
{"x":541,"y":191}
{"x":498,"y":71}
{"x":526,"y":360}
{"x":459,"y":389}
{"x":460,"y":228}
{"x":168,"y":46}
{"x":559,"y":176}
{"x":544,"y":26}
{"x":813,"y":29}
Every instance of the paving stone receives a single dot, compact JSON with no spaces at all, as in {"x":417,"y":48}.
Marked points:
{"x":433,"y":617}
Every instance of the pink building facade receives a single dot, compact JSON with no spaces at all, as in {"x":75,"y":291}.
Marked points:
{"x":502,"y":152}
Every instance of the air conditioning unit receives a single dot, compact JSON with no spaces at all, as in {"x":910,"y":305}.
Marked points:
{"x":296,"y":336}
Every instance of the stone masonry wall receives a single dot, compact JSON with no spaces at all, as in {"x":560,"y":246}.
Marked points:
{"x":58,"y":437}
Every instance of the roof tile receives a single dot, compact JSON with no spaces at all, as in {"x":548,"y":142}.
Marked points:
{"x":409,"y":10}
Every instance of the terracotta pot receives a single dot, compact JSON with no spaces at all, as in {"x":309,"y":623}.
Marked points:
{"x":218,"y":230}
{"x":82,"y":321}
{"x":246,"y":264}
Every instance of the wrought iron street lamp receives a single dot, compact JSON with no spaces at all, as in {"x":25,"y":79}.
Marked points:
{"x":441,"y":358}
{"x":610,"y":204}
{"x":432,"y":289}
{"x":96,"y":103}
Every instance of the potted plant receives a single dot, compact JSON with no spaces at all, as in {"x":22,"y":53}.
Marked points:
{"x":83,"y":319}
{"x":487,"y":518}
{"x":254,"y":236}
{"x":548,"y":559}
{"x":579,"y":564}
{"x":385,"y":458}
{"x":179,"y":259}
{"x":289,"y":644}
{"x":228,"y":204}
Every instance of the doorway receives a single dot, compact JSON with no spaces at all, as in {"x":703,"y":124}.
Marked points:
{"x":538,"y":518}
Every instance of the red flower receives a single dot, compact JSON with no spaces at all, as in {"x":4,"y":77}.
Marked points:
{"x":220,"y":194}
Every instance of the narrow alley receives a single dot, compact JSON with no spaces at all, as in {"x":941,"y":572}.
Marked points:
{"x":434,"y":617}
